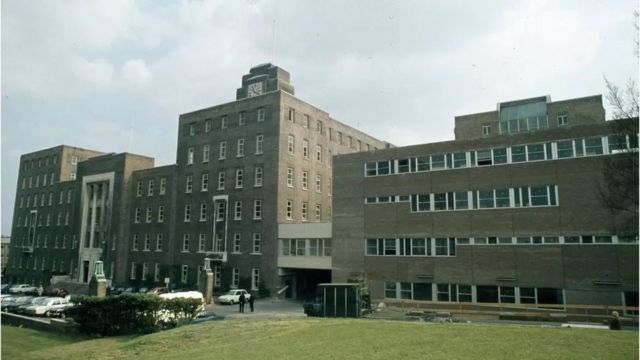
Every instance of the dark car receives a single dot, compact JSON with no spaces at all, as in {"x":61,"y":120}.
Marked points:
{"x":13,"y":304}
{"x":206,"y":315}
{"x":4,"y":289}
{"x":62,"y":312}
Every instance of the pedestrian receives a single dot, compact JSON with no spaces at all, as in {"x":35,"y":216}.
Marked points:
{"x":615,"y":321}
{"x":251,"y":302}
{"x":241,"y":302}
{"x":40,"y":290}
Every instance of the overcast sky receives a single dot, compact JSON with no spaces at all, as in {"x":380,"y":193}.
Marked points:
{"x":114,"y":75}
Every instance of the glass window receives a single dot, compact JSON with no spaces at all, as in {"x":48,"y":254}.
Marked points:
{"x":565,"y":149}
{"x":442,"y":247}
{"x":539,"y":196}
{"x":424,"y":203}
{"x":572,"y":239}
{"x":423,"y":163}
{"x":437,"y":162}
{"x":440,"y":201}
{"x":535,"y":152}
{"x":403,"y":166}
{"x":390,"y":289}
{"x":460,"y":160}
{"x":383,"y":168}
{"x":422,"y":291}
{"x":502,"y":198}
{"x":487,"y":293}
{"x":518,"y":154}
{"x":390,"y":246}
{"x":418,"y":247}
{"x":372,"y":246}
{"x":593,"y":146}
{"x":484,"y":157}
{"x":443,"y":292}
{"x":485,"y":198}
{"x":617,"y":143}
{"x":500,"y":156}
{"x":462,"y":200}
{"x":464,"y":293}
{"x":507,"y":294}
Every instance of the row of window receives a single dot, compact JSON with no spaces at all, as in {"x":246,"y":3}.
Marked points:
{"x":137,"y":218}
{"x":34,"y":181}
{"x":473,"y":293}
{"x":219,"y":244}
{"x":305,"y":247}
{"x":55,"y":264}
{"x":305,"y":180}
{"x":258,"y":176}
{"x":44,"y":199}
{"x":446,"y":246}
{"x":220,"y":209}
{"x":46,"y":161}
{"x":38,"y":241}
{"x":42,"y":220}
{"x":506,"y":155}
{"x":304,"y":211}
{"x":162,"y":189}
{"x":527,"y":196}
{"x":222,"y":150}
{"x":242,"y":117}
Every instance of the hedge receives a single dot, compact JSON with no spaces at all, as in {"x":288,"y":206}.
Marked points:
{"x":131,"y":313}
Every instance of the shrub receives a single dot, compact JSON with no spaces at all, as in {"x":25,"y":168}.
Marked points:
{"x":130,"y":313}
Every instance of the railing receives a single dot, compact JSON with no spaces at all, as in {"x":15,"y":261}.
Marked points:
{"x":586,"y":313}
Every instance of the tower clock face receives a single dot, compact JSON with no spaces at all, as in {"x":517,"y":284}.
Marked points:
{"x":254,"y":89}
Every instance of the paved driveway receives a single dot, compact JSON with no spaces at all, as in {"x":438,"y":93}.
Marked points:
{"x":269,"y":307}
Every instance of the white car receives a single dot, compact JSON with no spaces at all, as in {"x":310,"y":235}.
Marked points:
{"x":41,"y":305}
{"x":22,"y":288}
{"x":233,"y":297}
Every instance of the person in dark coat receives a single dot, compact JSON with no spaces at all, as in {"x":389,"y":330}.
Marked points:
{"x":241,"y":302}
{"x":251,"y":302}
{"x":614,"y":324}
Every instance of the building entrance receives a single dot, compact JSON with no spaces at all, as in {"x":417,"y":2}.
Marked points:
{"x":306,"y":281}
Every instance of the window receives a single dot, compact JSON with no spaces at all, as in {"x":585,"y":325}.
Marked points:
{"x":445,"y":247}
{"x":160,"y":214}
{"x":305,"y":121}
{"x":203,"y":212}
{"x":257,"y":209}
{"x":222,"y":153}
{"x":502,"y":198}
{"x":305,"y":180}
{"x":185,"y":243}
{"x":237,"y":213}
{"x":236,"y":243}
{"x":256,"y":243}
{"x":187,"y":213}
{"x":565,"y":149}
{"x":147,"y":242}
{"x":289,"y":210}
{"x":290,"y":177}
{"x":486,"y":130}
{"x":261,"y":115}
{"x":340,"y":137}
{"x":190,"y":155}
{"x":134,"y":245}
{"x":235,"y":278}
{"x":184,"y":274}
{"x":221,"y":209}
{"x":437,"y":162}
{"x":593,"y":146}
{"x":163,"y":186}
{"x":74,"y":160}
{"x":201,"y":242}
{"x":207,"y":125}
{"x":241,"y":118}
{"x":377,"y":168}
{"x":318,"y":212}
{"x":319,"y":126}
{"x":292,"y":115}
{"x":239,"y":177}
{"x":188,"y":184}
{"x":518,"y":153}
{"x":255,"y":279}
{"x":535,"y":152}
{"x":138,"y":190}
{"x":305,"y":148}
{"x":240,"y":148}
{"x":319,"y":153}
{"x":204,"y":182}
{"x":136,"y":218}
{"x":257,"y":176}
{"x":420,"y":203}
{"x":158,"y":242}
{"x":318,"y":183}
{"x":149,"y":215}
{"x":132,"y":276}
{"x":563,"y":119}
{"x":305,"y":211}
{"x":221,"y":180}
{"x":290,"y":144}
{"x":192,"y":129}
{"x":259,"y":144}
{"x":150,"y":186}
{"x":460,"y":160}
{"x":156,"y":271}
{"x":205,"y":153}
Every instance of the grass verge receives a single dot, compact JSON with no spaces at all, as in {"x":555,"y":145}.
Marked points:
{"x":303,"y":338}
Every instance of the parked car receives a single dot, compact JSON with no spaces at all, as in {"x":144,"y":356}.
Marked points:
{"x":157,"y":291}
{"x":233,"y":296}
{"x":40,"y":306}
{"x":206,"y":315}
{"x":23,"y":289}
{"x":5,"y":288}
{"x":60,"y":311}
{"x":184,"y":294}
{"x":12,"y":304}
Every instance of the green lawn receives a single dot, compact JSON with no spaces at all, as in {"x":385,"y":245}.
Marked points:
{"x":303,"y":338}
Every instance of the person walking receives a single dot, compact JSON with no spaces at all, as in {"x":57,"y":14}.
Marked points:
{"x":241,"y":302}
{"x":251,"y":302}
{"x":614,"y":323}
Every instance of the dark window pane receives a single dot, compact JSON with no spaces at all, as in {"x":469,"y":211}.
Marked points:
{"x":487,"y":294}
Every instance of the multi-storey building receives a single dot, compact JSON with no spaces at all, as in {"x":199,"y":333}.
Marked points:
{"x":508,"y":212}
{"x":247,"y":173}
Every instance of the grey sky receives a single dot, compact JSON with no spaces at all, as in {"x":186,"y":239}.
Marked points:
{"x":90,"y":73}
